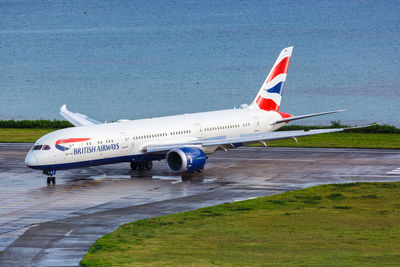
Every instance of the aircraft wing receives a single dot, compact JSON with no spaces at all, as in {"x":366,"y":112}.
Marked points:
{"x":241,"y":139}
{"x":77,"y":119}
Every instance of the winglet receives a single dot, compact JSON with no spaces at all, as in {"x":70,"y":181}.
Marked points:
{"x":77,"y":119}
{"x":63,"y":108}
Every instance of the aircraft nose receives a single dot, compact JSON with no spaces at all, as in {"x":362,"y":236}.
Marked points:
{"x":30,"y":160}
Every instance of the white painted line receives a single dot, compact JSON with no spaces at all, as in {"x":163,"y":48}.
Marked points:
{"x":370,"y":176}
{"x":393,"y":173}
{"x":243,"y":199}
{"x":264,"y":159}
{"x":100,"y":170}
{"x":209,"y":180}
{"x":67,"y":234}
{"x":118,"y":177}
{"x":165,"y":178}
{"x":327,"y":150}
{"x":173,"y":179}
{"x":229,"y":166}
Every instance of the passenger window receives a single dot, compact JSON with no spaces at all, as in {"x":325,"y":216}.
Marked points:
{"x":46,"y":147}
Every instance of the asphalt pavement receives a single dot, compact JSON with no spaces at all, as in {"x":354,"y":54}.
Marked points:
{"x":55,"y":225}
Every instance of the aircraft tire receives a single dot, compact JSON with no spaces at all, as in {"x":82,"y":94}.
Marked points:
{"x":134,"y":165}
{"x":142,"y":167}
{"x":149,"y":165}
{"x":48,"y":180}
{"x":53,"y":180}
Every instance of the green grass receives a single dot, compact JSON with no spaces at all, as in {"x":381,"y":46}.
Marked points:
{"x":347,"y":140}
{"x":12,"y":135}
{"x":40,"y":124}
{"x":332,"y":225}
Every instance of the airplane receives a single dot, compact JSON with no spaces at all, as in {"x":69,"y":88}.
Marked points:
{"x":184,"y":141}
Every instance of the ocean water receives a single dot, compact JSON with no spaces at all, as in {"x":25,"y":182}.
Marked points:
{"x":135,"y":59}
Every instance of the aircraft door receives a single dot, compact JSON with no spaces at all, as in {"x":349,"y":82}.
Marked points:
{"x":197,"y":130}
{"x":256,"y":122}
{"x":124,"y":139}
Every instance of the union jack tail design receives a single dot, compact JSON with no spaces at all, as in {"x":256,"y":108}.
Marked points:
{"x":270,"y":95}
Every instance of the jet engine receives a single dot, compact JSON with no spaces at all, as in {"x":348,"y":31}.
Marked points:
{"x":185,"y":159}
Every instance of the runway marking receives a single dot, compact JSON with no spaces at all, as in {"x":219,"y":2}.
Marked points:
{"x":264,"y":159}
{"x":370,"y":175}
{"x":205,"y":181}
{"x":395,"y":171}
{"x":229,"y":166}
{"x":116,"y":177}
{"x":173,"y":179}
{"x":68,"y":234}
{"x":327,"y":150}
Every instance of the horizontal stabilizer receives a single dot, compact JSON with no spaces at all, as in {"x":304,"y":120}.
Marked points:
{"x":307,"y":116}
{"x":77,"y":119}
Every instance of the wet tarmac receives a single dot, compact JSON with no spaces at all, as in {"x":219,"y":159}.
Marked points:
{"x":55,"y":225}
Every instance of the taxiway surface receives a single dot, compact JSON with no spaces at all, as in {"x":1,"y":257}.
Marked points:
{"x":55,"y":225}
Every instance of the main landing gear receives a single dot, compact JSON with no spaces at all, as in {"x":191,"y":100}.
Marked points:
{"x":141,"y":165}
{"x":51,"y":178}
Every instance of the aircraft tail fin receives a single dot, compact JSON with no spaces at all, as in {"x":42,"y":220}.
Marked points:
{"x":270,"y":94}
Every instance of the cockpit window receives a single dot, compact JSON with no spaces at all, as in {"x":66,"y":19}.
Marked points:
{"x":37,"y":147}
{"x":46,"y":147}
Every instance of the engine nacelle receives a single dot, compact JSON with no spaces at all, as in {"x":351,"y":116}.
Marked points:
{"x":185,"y":159}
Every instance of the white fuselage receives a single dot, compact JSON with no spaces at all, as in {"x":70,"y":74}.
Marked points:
{"x":125,"y":140}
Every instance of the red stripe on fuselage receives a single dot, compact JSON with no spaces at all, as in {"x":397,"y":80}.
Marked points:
{"x":71,"y":140}
{"x":281,"y":68}
{"x":266,"y":104}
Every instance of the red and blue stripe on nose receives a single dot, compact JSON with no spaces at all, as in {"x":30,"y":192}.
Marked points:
{"x":69,"y":140}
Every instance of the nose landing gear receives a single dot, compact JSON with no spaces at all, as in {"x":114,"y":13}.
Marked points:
{"x":51,"y":178}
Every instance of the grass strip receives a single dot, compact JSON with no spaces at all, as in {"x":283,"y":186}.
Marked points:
{"x":342,"y":140}
{"x":40,"y":124}
{"x":354,"y":224}
{"x":12,"y":135}
{"x":345,"y":140}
